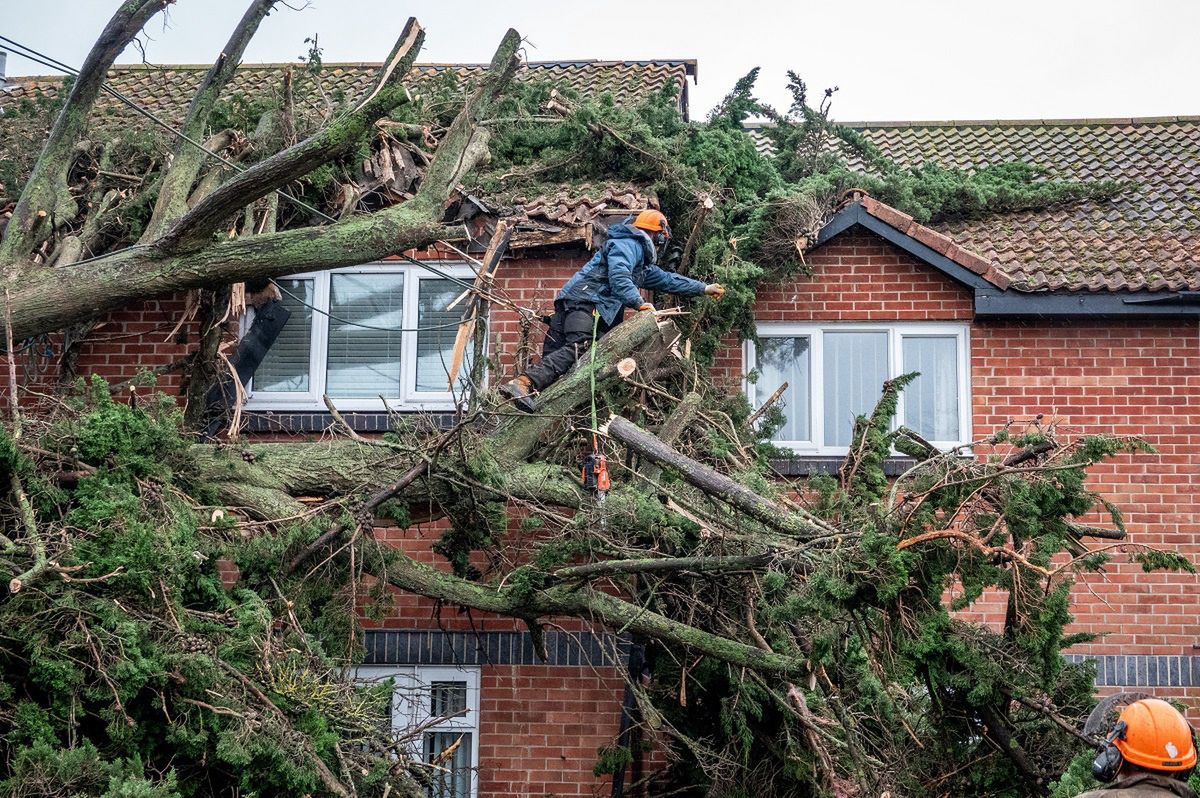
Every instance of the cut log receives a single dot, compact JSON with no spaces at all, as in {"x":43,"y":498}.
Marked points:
{"x":714,"y":483}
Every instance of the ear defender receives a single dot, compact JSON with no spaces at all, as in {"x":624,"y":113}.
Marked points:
{"x":1109,"y":760}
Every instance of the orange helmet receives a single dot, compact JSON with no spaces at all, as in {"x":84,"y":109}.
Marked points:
{"x":653,"y":221}
{"x":1150,"y":734}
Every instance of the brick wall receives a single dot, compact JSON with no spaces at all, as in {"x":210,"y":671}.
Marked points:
{"x":140,"y":337}
{"x":530,"y":282}
{"x":1122,"y":377}
{"x":541,"y":728}
{"x":1118,"y":376}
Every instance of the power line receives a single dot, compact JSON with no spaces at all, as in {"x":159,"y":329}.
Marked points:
{"x":340,"y":320}
{"x":48,"y":61}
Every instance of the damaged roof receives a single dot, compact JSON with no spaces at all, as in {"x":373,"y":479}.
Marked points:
{"x":1145,"y":239}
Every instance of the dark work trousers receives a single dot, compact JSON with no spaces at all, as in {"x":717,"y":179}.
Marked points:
{"x":569,"y":336}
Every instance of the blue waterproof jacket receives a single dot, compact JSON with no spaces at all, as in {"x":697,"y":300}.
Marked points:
{"x":626,"y":262}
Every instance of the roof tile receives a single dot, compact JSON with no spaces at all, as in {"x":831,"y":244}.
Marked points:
{"x":167,"y":89}
{"x":1146,"y":238}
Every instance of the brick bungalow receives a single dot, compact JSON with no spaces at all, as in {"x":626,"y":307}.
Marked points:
{"x":1088,"y":313}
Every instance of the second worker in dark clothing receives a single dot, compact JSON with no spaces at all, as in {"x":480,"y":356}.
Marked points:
{"x":604,"y":287}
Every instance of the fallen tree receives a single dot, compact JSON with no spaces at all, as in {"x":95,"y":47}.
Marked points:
{"x":795,"y":649}
{"x":802,"y":640}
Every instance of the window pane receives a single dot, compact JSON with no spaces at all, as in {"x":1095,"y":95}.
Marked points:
{"x":447,"y":699}
{"x":435,"y":340}
{"x":451,"y":769}
{"x":781,"y":360}
{"x":856,"y":366}
{"x":365,"y":362}
{"x":931,"y":401}
{"x":285,"y":367}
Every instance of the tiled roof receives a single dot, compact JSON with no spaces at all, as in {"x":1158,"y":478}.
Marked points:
{"x":166,"y":90}
{"x":1147,"y":238}
{"x":579,"y":205}
{"x":939,"y":243}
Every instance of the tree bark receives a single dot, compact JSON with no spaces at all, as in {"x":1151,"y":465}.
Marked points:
{"x":714,"y":483}
{"x":46,"y":200}
{"x":186,"y":159}
{"x":197,"y":226}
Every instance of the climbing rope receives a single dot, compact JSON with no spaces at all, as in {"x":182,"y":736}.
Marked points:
{"x":595,"y":469}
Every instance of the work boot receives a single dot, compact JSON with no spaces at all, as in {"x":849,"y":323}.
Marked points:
{"x":521,"y":392}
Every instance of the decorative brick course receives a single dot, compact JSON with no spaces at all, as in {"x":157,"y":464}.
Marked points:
{"x":1130,"y":671}
{"x":437,"y":647}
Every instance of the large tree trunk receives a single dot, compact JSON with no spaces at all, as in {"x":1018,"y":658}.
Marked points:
{"x":46,"y":201}
{"x":186,"y":159}
{"x":46,"y":299}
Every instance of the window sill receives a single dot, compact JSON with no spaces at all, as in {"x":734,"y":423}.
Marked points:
{"x":310,"y":421}
{"x":811,"y":465}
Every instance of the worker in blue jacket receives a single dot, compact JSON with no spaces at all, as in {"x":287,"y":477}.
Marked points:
{"x":605,"y":286}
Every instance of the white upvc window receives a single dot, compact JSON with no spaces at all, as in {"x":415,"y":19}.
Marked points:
{"x":836,"y":371}
{"x":443,"y":702}
{"x":365,"y":332}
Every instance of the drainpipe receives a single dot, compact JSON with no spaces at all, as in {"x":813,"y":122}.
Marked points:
{"x":629,"y":736}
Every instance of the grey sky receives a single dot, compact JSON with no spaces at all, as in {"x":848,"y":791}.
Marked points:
{"x":893,"y":59}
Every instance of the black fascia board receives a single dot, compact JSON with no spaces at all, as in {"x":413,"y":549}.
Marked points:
{"x":993,"y":301}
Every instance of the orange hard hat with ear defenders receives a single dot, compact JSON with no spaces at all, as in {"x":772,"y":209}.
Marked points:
{"x":1151,"y":734}
{"x":653,"y":221}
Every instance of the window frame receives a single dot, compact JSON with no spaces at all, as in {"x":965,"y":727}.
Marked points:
{"x":897,"y":332}
{"x":410,"y":398}
{"x":410,"y":713}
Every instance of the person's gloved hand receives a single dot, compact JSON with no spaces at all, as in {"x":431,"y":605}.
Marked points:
{"x":646,"y":306}
{"x":714,"y":290}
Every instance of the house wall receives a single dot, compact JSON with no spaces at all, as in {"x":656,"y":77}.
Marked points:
{"x":541,"y":723}
{"x":1096,"y":375}
{"x":1137,"y":377}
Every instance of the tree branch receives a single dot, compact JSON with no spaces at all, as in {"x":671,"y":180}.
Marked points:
{"x":46,"y":200}
{"x":700,"y":565}
{"x":615,"y":613}
{"x":714,"y":483}
{"x":197,"y":226}
{"x":186,"y":159}
{"x":46,"y":302}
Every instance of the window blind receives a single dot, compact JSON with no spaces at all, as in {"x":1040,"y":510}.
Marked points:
{"x":783,"y":360}
{"x":285,"y":369}
{"x":931,"y":401}
{"x":856,"y":366}
{"x":452,"y":771}
{"x":435,"y":339}
{"x":364,"y":362}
